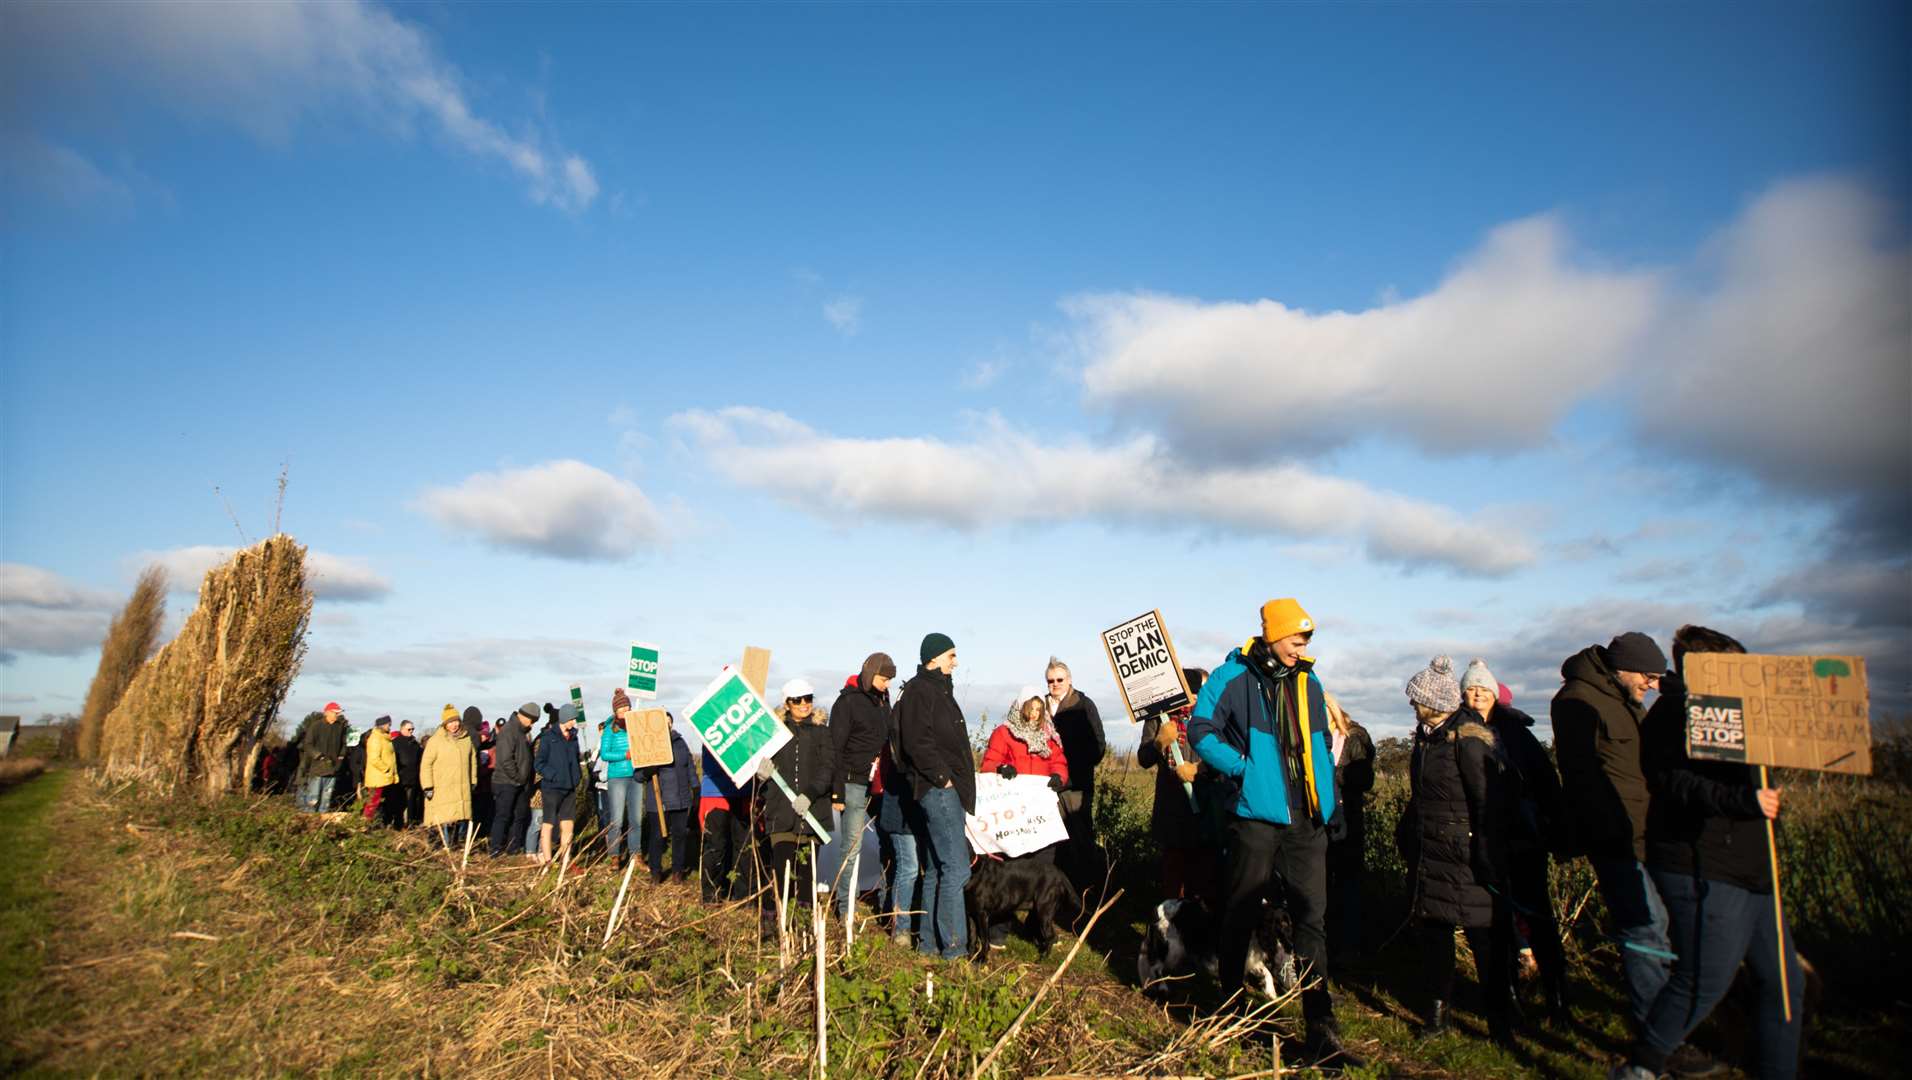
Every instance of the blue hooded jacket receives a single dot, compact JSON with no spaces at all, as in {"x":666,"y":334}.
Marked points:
{"x":1232,"y":730}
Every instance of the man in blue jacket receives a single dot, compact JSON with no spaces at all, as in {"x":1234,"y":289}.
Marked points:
{"x":560,"y":768}
{"x":1262,"y":722}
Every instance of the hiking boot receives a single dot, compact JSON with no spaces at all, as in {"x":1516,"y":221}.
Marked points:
{"x":1500,"y":1028}
{"x":1690,"y":1060}
{"x":1436,"y":1022}
{"x":1321,"y":1046}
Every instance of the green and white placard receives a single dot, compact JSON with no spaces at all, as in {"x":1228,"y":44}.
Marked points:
{"x":735,"y":725}
{"x":643,"y":682}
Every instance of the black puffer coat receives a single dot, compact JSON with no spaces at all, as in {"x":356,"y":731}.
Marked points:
{"x":1455,"y":839}
{"x":808,"y":762}
{"x":1538,"y":823}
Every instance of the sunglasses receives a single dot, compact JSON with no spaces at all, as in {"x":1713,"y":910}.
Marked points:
{"x":804,"y":700}
{"x":1052,"y":682}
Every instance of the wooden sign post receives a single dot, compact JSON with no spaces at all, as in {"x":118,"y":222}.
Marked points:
{"x":1797,"y":712}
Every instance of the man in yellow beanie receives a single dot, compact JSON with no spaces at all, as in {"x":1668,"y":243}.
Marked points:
{"x":1261,"y":721}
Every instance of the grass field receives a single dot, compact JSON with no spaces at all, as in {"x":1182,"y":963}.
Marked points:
{"x":154,"y":937}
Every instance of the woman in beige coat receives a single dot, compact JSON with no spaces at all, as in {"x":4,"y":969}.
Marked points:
{"x":382,"y":801}
{"x":448,"y":773}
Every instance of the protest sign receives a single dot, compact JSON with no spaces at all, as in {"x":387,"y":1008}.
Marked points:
{"x":1014,"y":817}
{"x":1796,"y":712}
{"x":756,"y":668}
{"x":577,"y":698}
{"x":1146,"y":668}
{"x":650,"y":732}
{"x":643,"y":680}
{"x":735,"y":725}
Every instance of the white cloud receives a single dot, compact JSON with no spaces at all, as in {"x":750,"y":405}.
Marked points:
{"x":1797,"y":363}
{"x":330,"y":577}
{"x":1512,"y":338}
{"x":564,"y":509}
{"x":846,"y":314}
{"x":1004,"y":477}
{"x":984,"y":373}
{"x":43,"y":612}
{"x":269,"y":67}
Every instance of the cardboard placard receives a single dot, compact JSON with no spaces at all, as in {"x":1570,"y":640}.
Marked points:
{"x":735,"y":725}
{"x":1794,"y":712}
{"x":756,"y":668}
{"x":643,"y":679}
{"x":650,"y":733}
{"x":1142,"y":655}
{"x":1014,"y":817}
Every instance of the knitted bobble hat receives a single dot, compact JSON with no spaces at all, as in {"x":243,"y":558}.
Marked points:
{"x":1478,"y":675}
{"x":1435,"y":687}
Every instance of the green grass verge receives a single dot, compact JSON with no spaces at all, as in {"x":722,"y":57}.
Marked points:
{"x":26,"y":907}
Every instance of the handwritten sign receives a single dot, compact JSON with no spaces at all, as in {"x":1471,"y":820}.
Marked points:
{"x":650,"y":731}
{"x":1796,"y":712}
{"x":1014,"y":817}
{"x":1146,"y":668}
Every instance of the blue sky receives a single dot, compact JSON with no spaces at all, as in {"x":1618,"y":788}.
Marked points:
{"x":1487,"y":330}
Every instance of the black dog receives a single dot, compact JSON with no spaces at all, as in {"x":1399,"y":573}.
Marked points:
{"x":1184,"y":935}
{"x":998,"y":888}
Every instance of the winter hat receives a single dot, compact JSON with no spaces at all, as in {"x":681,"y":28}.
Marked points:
{"x":383,"y":721}
{"x":1478,"y":675}
{"x":568,"y":713}
{"x":1506,"y":695}
{"x":1022,"y":698}
{"x":529,"y":710}
{"x":620,"y":699}
{"x":935,"y":645}
{"x":1634,"y":651}
{"x":450,"y":713}
{"x":1283,"y":617}
{"x":797,"y":688}
{"x":876,"y":664}
{"x":474,"y":716}
{"x":1434,"y":687}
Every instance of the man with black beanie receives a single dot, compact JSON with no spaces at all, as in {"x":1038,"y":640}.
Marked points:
{"x":939,"y":769}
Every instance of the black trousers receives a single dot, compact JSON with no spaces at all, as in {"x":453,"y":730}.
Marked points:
{"x":1533,"y":904}
{"x":1263,"y":857}
{"x":726,"y":853}
{"x":677,"y":824}
{"x":391,"y":806}
{"x":1490,"y":945}
{"x":510,"y":817}
{"x":789,"y":858}
{"x":414,"y":805}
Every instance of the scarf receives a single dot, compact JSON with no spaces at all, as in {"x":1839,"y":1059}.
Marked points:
{"x":1035,"y":736}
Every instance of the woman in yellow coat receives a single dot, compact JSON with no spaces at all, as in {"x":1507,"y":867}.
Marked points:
{"x":381,"y":775}
{"x":448,"y":773}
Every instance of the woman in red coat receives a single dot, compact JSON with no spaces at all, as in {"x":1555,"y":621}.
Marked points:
{"x":1025,"y":744}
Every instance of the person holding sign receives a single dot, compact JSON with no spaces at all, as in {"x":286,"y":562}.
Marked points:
{"x":808,"y":764}
{"x":1025,"y":744}
{"x":939,"y":770}
{"x":670,"y":790}
{"x":1185,"y":828}
{"x":622,"y":789}
{"x":1262,"y":722}
{"x":1706,"y":849}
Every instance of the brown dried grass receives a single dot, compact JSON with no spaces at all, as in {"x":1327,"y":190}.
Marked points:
{"x":194,"y":713}
{"x":129,"y":643}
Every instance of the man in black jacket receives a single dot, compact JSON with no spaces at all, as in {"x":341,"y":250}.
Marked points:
{"x":321,"y":750}
{"x":1079,"y":728}
{"x":939,"y":769}
{"x":406,"y":749}
{"x":1706,"y":848}
{"x":511,"y":782}
{"x":860,"y":728}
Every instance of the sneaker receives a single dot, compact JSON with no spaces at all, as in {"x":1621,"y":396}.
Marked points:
{"x":1690,"y":1060}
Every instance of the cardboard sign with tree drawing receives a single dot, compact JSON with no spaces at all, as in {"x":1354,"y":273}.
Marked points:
{"x":1794,"y":712}
{"x":650,"y":732}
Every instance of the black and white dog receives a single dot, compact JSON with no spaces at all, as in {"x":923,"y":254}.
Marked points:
{"x":1184,"y":936}
{"x":999,"y":888}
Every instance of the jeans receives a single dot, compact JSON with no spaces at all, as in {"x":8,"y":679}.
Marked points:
{"x":856,"y":814}
{"x":896,"y":836}
{"x":531,"y":842}
{"x":1640,"y":926}
{"x":317,"y":797}
{"x":452,"y":833}
{"x":621,"y":795}
{"x":1262,"y":857}
{"x":1715,"y":926}
{"x":510,"y":810}
{"x":943,"y":931}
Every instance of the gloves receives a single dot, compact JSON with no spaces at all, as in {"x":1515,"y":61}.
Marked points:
{"x":1006,"y":771}
{"x":801,"y":803}
{"x":428,"y":793}
{"x":1055,"y":783}
{"x":764,"y":769}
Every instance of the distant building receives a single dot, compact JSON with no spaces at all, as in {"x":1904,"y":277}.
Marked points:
{"x":9,"y":731}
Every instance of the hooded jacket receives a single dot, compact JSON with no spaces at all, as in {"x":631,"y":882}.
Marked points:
{"x":449,"y":771}
{"x":1005,"y":749}
{"x":860,"y":728}
{"x":1456,"y":833}
{"x":932,"y":738}
{"x":1597,"y":739}
{"x":1539,"y":816}
{"x":511,"y":753}
{"x":1705,"y":820}
{"x":808,"y":763}
{"x":381,"y":763}
{"x":1267,"y":772}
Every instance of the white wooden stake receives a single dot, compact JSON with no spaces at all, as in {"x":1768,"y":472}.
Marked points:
{"x":818,"y":924}
{"x":618,"y":904}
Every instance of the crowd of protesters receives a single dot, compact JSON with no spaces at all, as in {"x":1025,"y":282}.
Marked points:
{"x":1260,"y":798}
